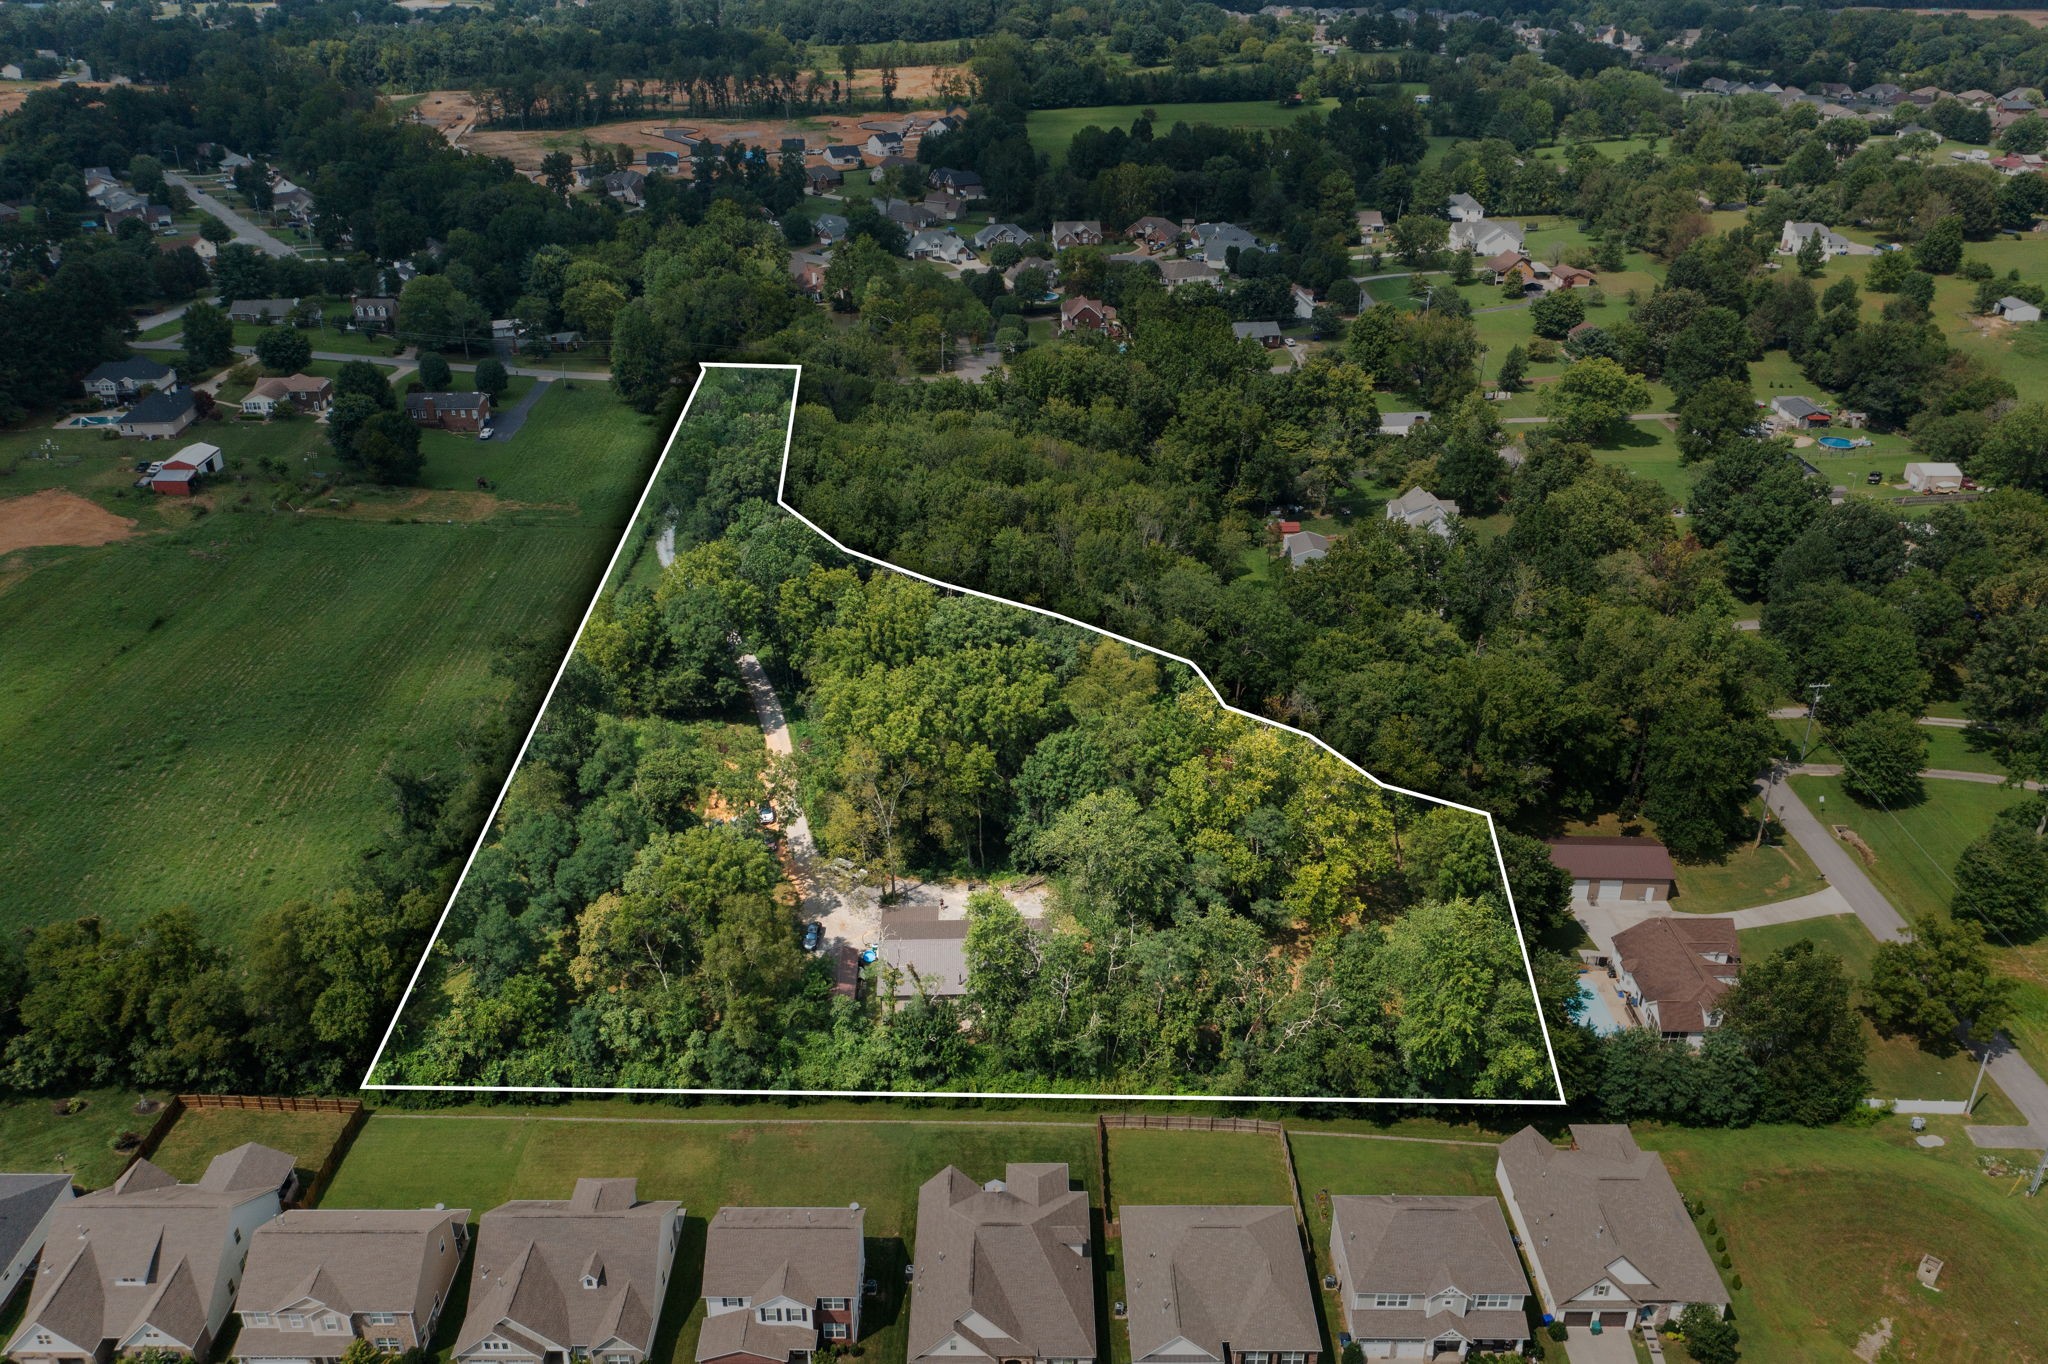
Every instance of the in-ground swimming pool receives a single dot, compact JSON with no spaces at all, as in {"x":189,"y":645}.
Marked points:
{"x":92,"y":421}
{"x":1592,"y":1010}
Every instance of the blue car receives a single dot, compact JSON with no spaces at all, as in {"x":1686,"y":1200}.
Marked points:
{"x":814,"y":936}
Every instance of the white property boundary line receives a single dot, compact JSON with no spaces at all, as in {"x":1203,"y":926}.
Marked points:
{"x":781,"y":486}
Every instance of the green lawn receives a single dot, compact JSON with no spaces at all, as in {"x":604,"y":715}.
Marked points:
{"x":198,"y":715}
{"x":1051,"y":130}
{"x":1916,"y":847}
{"x":1165,"y":1167}
{"x":477,"y":1163}
{"x":1947,"y":749}
{"x":1842,"y":934}
{"x":200,"y":1134}
{"x":1825,"y":1227}
{"x":367,"y":344}
{"x":1747,"y":875}
{"x":34,"y":1137}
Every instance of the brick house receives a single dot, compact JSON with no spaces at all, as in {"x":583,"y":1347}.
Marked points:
{"x":450,"y":411}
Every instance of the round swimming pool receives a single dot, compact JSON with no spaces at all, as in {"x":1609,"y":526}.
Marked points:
{"x":1837,"y":442}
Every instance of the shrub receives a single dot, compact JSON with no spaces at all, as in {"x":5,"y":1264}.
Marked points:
{"x":1557,"y":1331}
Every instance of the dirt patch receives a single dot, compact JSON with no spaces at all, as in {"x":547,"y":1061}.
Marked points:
{"x":438,"y":504}
{"x":1855,"y":840}
{"x":14,"y":94}
{"x":2036,"y":17}
{"x":56,"y":517}
{"x":1874,"y":1341}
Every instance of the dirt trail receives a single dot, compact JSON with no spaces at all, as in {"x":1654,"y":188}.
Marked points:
{"x":56,"y":517}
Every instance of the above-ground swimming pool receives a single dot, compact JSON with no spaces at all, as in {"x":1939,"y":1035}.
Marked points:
{"x":1837,"y":442}
{"x":1592,"y":1010}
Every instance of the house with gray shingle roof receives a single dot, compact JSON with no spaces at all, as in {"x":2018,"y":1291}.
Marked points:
{"x":28,"y":1206}
{"x":149,"y":1263}
{"x":114,"y":381}
{"x":1213,"y":1285}
{"x":1302,"y":546}
{"x":1607,"y":1236}
{"x":580,"y":1277}
{"x":1422,"y":510}
{"x":778,"y":1282}
{"x":1003,"y":1269}
{"x":1422,"y":1275}
{"x":319,"y":1279}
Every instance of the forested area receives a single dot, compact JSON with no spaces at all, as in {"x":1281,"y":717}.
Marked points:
{"x":1237,"y":912}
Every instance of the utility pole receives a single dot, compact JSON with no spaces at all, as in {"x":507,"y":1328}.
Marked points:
{"x":1983,"y":1062}
{"x":2040,"y":1173}
{"x":1812,"y":705}
{"x":1763,"y":818}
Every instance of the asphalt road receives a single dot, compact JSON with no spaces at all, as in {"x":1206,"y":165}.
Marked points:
{"x":245,"y":231}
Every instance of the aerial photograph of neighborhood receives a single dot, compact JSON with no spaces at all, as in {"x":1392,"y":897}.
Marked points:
{"x":996,"y":682}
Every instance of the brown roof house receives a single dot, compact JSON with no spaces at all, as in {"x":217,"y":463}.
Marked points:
{"x":320,"y":1279}
{"x":778,"y":1281}
{"x":29,"y":1204}
{"x":1608,"y":1237}
{"x":1080,"y":311}
{"x":1217,"y":1285}
{"x":1675,"y":969}
{"x":450,"y":411}
{"x":579,"y":1278}
{"x":1424,"y":1276}
{"x":1603,"y":870}
{"x":1003,"y":1271}
{"x":149,"y":1263}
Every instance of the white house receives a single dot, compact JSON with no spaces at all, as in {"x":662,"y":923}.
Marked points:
{"x":1832,"y":243}
{"x":1421,"y":510}
{"x":1933,"y":477}
{"x":1464,"y":208}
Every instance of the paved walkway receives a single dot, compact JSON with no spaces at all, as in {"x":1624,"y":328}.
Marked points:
{"x":1926,"y":774}
{"x":246,"y":232}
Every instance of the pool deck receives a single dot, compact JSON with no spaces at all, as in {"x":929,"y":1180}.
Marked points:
{"x":1606,"y":996}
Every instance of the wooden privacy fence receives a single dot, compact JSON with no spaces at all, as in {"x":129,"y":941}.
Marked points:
{"x":1186,"y":1122}
{"x":351,"y":1110}
{"x":271,"y":1103}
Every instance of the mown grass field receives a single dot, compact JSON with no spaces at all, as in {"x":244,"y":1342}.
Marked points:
{"x":1053,"y":130}
{"x":198,"y":715}
{"x":1228,"y":1167}
{"x":200,"y":1134}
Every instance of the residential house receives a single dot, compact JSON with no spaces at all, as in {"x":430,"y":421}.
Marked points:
{"x":809,"y":274}
{"x":1884,"y":94}
{"x":1003,"y":1272}
{"x":1155,"y":232}
{"x":1563,"y":276}
{"x":884,"y":144}
{"x":1303,"y":299}
{"x":906,"y":215}
{"x":373,"y":313}
{"x":264,"y":311}
{"x":2017,"y":309}
{"x":830,"y":227}
{"x":965,"y":183}
{"x":842,"y":157}
{"x":939,"y":244}
{"x":1463,"y":208}
{"x":305,"y":393}
{"x":947,"y":207}
{"x":819,"y":179}
{"x":1674,"y":969}
{"x":1420,"y":510}
{"x":1606,"y":870}
{"x":1213,"y":242}
{"x":320,"y":1279}
{"x":1608,"y":1238}
{"x":778,"y":1282}
{"x":1177,"y":272}
{"x":1793,"y":412}
{"x":29,"y":1204}
{"x":1401,"y":423}
{"x":1486,"y":237}
{"x":1926,"y":95}
{"x":1080,"y":233}
{"x":1977,"y":99}
{"x":119,"y":381}
{"x":1217,"y":1285}
{"x":1266,"y":334}
{"x":1423,"y":1276}
{"x":179,"y":475}
{"x":997,"y":233}
{"x":1506,"y":265}
{"x":1089,"y":313}
{"x":1934,"y":477}
{"x":160,"y":416}
{"x":581,"y":1278}
{"x":149,"y":1263}
{"x":628,"y":187}
{"x":1371,"y":222}
{"x":664,"y":163}
{"x":1301,"y":546}
{"x":450,"y":411}
{"x":922,"y":956}
{"x":880,"y":170}
{"x":1038,"y":263}
{"x":1793,"y":236}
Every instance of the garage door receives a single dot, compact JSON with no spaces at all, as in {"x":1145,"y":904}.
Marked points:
{"x":1378,"y":1349}
{"x":1411,"y":1349}
{"x":1614,"y":1319}
{"x":1578,"y":1318}
{"x":1610,"y":891}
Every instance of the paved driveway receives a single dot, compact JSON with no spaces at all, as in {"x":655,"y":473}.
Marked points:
{"x":1611,"y":1346}
{"x":505,"y":425}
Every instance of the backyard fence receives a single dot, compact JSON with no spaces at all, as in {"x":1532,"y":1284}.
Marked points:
{"x":270,"y":1103}
{"x":1185,"y":1122}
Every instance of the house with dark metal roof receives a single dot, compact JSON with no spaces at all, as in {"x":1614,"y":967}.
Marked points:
{"x":779,"y":1282}
{"x":319,"y":1279}
{"x":1674,"y":971}
{"x":1608,"y":1238}
{"x":1004,"y":1270}
{"x":149,"y":1263}
{"x":1422,"y":1276}
{"x":1217,"y":1285}
{"x":582,"y":1277}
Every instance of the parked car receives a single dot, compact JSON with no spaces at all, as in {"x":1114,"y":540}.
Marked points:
{"x":484,"y":433}
{"x":814,"y":936}
{"x":1876,"y":477}
{"x":767,"y":813}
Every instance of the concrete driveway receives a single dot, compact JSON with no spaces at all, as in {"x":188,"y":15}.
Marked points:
{"x":1611,"y":1346}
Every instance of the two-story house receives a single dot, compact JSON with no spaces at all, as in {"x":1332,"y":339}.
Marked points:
{"x":1675,"y":969}
{"x":1608,"y":1237}
{"x":149,"y":1263}
{"x":1217,"y":1285}
{"x":1003,"y":1273}
{"x":118,"y":381}
{"x":1424,"y":1276}
{"x":319,"y":1279}
{"x":778,"y":1282}
{"x":29,"y":1204}
{"x":578,"y":1279}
